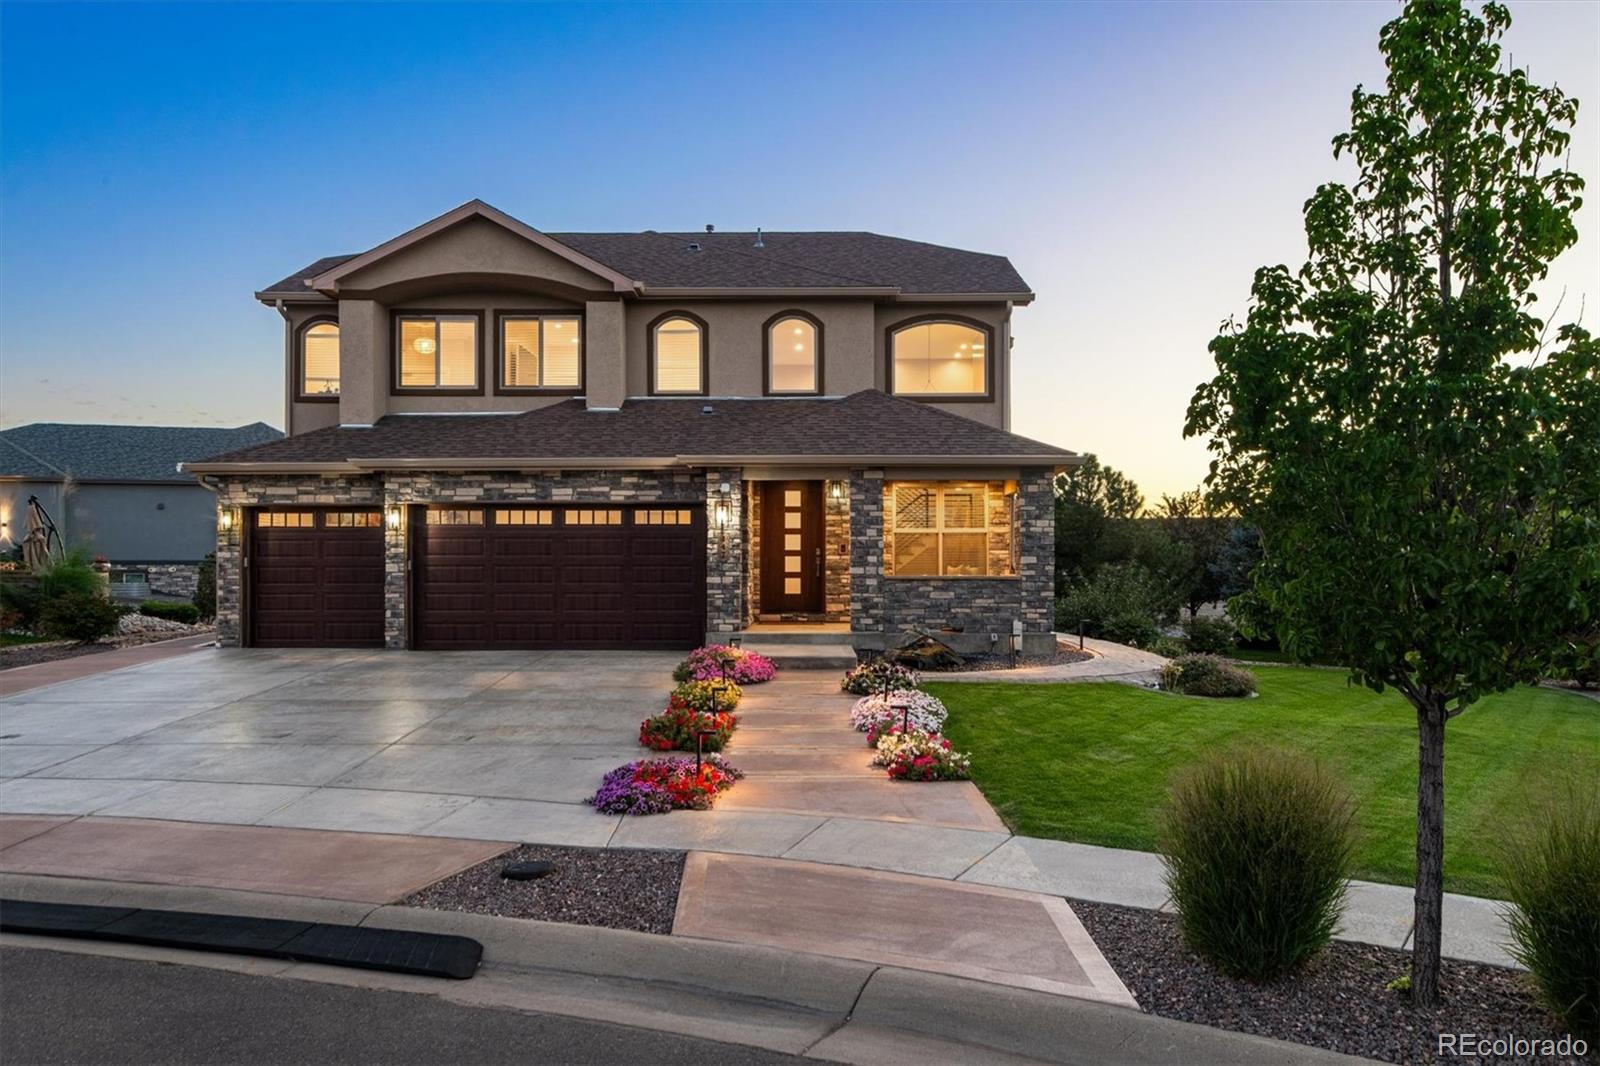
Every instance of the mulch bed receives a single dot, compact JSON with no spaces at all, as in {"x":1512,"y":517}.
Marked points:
{"x":52,"y":651}
{"x":619,"y":888}
{"x":1063,"y":655}
{"x":1338,"y":1002}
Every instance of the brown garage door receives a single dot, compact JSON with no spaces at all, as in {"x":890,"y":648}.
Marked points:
{"x":520,"y":576}
{"x":316,"y":578}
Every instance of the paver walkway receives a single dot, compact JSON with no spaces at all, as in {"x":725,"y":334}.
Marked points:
{"x":26,"y":678}
{"x":1111,"y":662}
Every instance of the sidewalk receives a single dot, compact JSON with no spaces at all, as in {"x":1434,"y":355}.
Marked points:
{"x":27,"y":678}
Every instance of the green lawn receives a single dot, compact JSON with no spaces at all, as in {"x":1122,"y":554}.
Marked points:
{"x":1090,"y":762}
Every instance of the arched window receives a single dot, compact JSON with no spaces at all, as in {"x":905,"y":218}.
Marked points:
{"x":319,"y":361}
{"x":678,"y":355}
{"x":794,"y":354}
{"x":938,"y":358}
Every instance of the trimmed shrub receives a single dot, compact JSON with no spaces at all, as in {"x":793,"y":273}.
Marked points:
{"x":677,"y":727}
{"x":81,"y":616}
{"x":1210,"y":636}
{"x":866,"y":678}
{"x":1257,"y":846}
{"x":1122,"y":602}
{"x":1552,"y":871}
{"x":745,"y":667}
{"x":707,"y":696}
{"x":21,"y":600}
{"x":874,"y":714}
{"x":1168,"y":648}
{"x":656,"y":786}
{"x":1207,"y":675}
{"x":187,"y":613}
{"x":205,"y":588}
{"x":73,"y":574}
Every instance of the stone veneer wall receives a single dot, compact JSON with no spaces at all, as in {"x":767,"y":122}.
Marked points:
{"x":752,"y":491}
{"x":725,"y":556}
{"x":173,"y":579}
{"x":882,"y":607}
{"x":836,"y":552}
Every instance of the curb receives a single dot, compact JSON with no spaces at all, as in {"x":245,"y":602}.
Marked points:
{"x":824,"y":1008}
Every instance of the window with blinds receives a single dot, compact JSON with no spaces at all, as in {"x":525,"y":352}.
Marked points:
{"x":948,"y":529}
{"x":319,"y":360}
{"x":678,"y":347}
{"x":792,"y":355}
{"x":541,"y":351}
{"x":438,"y":352}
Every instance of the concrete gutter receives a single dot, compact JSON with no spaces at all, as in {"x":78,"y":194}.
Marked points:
{"x":824,"y":1008}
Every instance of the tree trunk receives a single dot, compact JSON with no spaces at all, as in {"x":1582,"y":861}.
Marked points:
{"x":1430,"y":854}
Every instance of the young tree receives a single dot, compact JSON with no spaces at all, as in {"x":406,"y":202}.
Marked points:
{"x":1095,"y":506}
{"x":1424,"y":467}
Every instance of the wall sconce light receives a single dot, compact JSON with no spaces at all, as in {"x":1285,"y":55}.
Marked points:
{"x":391,"y":518}
{"x":225,"y":518}
{"x":836,"y":489}
{"x":721,"y":513}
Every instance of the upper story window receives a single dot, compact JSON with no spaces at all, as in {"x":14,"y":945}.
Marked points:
{"x":319,"y":361}
{"x":794,"y":354}
{"x":437,"y":352}
{"x":539,"y":352}
{"x":941,"y":358}
{"x":678,"y":355}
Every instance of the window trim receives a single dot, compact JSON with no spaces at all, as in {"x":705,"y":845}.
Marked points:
{"x":988,"y":331}
{"x":766,"y":354}
{"x":300,"y":394}
{"x":397,"y":316}
{"x":705,"y":352}
{"x":539,"y":313}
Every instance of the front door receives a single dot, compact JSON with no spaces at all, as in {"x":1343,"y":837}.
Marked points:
{"x":791,"y":547}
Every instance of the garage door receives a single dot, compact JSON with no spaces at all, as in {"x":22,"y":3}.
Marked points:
{"x":560,"y":577}
{"x":316,"y":578}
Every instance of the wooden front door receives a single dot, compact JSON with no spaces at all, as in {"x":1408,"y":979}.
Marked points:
{"x":791,"y":547}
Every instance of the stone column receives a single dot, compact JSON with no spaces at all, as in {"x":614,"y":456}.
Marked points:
{"x":726,"y":555}
{"x":866,"y":551}
{"x":396,"y":562}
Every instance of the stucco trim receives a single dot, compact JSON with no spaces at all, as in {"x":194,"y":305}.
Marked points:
{"x":647,"y":292}
{"x":329,"y":280}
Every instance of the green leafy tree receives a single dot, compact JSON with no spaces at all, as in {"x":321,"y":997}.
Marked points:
{"x":1095,"y":510}
{"x":1422,"y":458}
{"x":1192,"y":521}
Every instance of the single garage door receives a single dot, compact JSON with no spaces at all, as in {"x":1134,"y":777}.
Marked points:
{"x":520,"y":576}
{"x":316,"y":578}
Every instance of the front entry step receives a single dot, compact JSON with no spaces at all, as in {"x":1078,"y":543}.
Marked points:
{"x":838,"y":656}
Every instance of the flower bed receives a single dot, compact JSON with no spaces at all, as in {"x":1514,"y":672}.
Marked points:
{"x":708,"y":696}
{"x":676,"y":728}
{"x":875,"y":676}
{"x":656,"y":786}
{"x":877,"y":713}
{"x":745,"y":667}
{"x":920,"y":756}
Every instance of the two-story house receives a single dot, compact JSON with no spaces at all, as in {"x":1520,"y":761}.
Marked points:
{"x":503,"y":438}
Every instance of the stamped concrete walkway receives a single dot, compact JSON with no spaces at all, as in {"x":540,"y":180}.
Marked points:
{"x":1111,"y":662}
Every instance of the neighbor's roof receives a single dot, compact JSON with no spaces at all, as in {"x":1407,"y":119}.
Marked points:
{"x":732,"y":260}
{"x":53,"y":451}
{"x":865,"y":428}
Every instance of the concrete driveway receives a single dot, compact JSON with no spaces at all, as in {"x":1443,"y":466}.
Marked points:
{"x":471,"y":744}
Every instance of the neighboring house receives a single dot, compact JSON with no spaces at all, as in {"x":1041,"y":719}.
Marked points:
{"x":117,"y":491}
{"x":502,"y":438}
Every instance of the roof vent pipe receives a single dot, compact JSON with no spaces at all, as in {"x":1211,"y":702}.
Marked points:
{"x":694,"y":246}
{"x":759,"y":243}
{"x":706,"y":409}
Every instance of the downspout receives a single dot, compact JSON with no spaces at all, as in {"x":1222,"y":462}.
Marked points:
{"x":1005,"y":385}
{"x":288,"y":372}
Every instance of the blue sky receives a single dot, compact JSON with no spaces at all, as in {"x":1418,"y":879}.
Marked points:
{"x":1136,"y":161}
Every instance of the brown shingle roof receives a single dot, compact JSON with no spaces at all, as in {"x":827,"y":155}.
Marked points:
{"x":867,"y":425}
{"x":845,"y":260}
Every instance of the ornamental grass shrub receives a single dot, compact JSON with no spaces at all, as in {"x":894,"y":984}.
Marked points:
{"x":656,"y":786}
{"x":745,"y":667}
{"x":1552,"y":873}
{"x":679,"y":728}
{"x":1207,"y":675}
{"x":874,"y":714}
{"x":874,"y":676}
{"x":714,"y":695}
{"x":1257,"y":845}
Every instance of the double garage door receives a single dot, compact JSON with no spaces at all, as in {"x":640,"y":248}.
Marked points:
{"x":501,"y":576}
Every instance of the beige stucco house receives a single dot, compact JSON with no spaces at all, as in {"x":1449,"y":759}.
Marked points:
{"x":504,"y":438}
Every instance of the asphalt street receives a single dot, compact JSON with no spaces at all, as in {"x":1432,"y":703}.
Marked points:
{"x":58,"y":1007}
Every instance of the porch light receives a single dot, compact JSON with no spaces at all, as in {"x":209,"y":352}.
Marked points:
{"x":391,"y":518}
{"x":225,"y":518}
{"x":836,"y":489}
{"x":722,"y":513}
